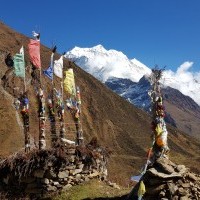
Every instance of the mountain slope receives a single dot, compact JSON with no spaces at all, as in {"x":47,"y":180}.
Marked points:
{"x":182,"y":111}
{"x":116,"y":123}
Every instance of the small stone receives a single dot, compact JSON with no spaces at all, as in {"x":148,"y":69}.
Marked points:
{"x":51,"y":188}
{"x":39,"y":173}
{"x":78,"y":176}
{"x":71,"y":151}
{"x":56,"y":183}
{"x":95,"y":174}
{"x":71,"y":158}
{"x":162,"y":194}
{"x":182,"y":191}
{"x":75,"y":171}
{"x":67,"y":187}
{"x":185,"y":185}
{"x":86,"y":179}
{"x":70,"y":167}
{"x":184,"y":198}
{"x":63,"y":174}
{"x":50,"y":175}
{"x":80,"y":166}
{"x":175,"y":198}
{"x":192,"y":176}
{"x":45,"y":181}
{"x":172,"y":188}
{"x":181,"y":168}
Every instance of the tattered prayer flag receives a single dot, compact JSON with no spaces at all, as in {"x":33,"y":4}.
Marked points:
{"x":19,"y":65}
{"x":58,"y":67}
{"x":49,"y":72}
{"x":158,"y":129}
{"x":141,"y":190}
{"x":69,"y":83}
{"x":34,"y":52}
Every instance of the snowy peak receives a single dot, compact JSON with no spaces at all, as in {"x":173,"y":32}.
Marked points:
{"x":104,"y":64}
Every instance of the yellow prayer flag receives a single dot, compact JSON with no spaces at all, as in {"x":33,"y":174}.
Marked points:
{"x":158,"y":129}
{"x":69,"y":83}
{"x":141,"y":189}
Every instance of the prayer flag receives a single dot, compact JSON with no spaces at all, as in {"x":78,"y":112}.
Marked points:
{"x":34,"y":52}
{"x":58,"y":67}
{"x":69,"y":83}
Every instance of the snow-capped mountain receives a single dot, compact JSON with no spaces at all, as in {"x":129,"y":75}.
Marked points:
{"x":105,"y":64}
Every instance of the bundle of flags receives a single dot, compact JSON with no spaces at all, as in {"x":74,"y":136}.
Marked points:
{"x":56,"y":67}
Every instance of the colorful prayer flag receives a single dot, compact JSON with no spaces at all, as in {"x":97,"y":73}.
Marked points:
{"x":19,"y":63}
{"x":69,"y":83}
{"x":58,"y":67}
{"x":141,"y":190}
{"x":49,"y":72}
{"x":34,"y":52}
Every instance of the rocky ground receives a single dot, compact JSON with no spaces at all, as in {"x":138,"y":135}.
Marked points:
{"x":166,"y":180}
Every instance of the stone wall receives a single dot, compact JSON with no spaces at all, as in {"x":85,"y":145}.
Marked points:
{"x":48,"y":178}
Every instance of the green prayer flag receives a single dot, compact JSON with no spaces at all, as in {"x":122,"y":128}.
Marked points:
{"x":19,"y":65}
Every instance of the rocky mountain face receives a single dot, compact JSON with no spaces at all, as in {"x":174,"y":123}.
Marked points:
{"x":115,"y":122}
{"x":185,"y":114}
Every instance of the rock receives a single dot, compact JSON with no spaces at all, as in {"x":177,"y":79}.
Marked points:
{"x":185,"y":185}
{"x":86,"y":179}
{"x":39,"y":173}
{"x":67,"y":187}
{"x":80,"y":166}
{"x":184,"y":198}
{"x":72,"y":158}
{"x":56,"y":183}
{"x":162,"y":194}
{"x":51,"y":188}
{"x":172,"y":188}
{"x":75,"y":171}
{"x":78,"y":177}
{"x":192,"y":177}
{"x":164,"y":166}
{"x":181,"y":168}
{"x":63,"y":174}
{"x":155,"y":189}
{"x":50,"y":175}
{"x":182,"y":192}
{"x":71,"y":151}
{"x":95,"y":174}
{"x":175,"y":198}
{"x":70,"y":167}
{"x":154,"y":172}
{"x":45,"y":181}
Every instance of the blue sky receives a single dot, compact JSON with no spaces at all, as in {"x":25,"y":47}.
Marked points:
{"x":163,"y":32}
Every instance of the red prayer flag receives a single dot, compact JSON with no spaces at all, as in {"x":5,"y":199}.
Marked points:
{"x":34,"y":52}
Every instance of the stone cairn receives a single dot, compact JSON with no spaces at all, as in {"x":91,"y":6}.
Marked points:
{"x":165,"y":180}
{"x":43,"y":172}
